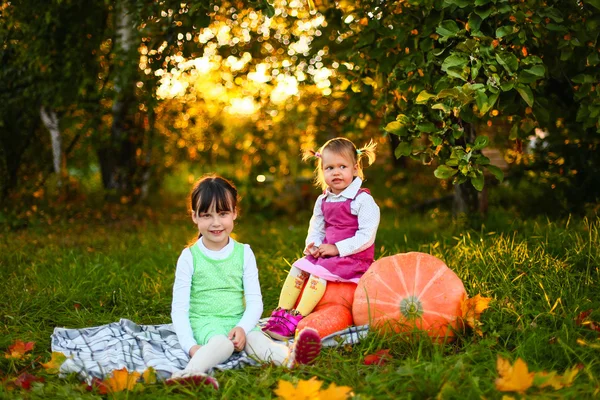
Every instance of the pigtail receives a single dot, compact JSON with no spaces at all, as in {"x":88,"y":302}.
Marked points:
{"x":368,"y":152}
{"x":309,"y":154}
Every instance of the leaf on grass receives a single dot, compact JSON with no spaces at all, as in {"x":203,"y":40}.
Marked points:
{"x":335,"y":392}
{"x":53,"y":366}
{"x":25,"y":380}
{"x":18,"y":349}
{"x":472,"y":308}
{"x":513,"y":378}
{"x":544,"y":379}
{"x":583,"y":320}
{"x":379,"y":358}
{"x":593,"y":345}
{"x":149,"y":376}
{"x":310,"y":390}
{"x":121,"y":380}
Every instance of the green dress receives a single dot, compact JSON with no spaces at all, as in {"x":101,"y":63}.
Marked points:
{"x":217,"y":293}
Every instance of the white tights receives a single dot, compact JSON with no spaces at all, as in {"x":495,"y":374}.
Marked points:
{"x":219,"y":348}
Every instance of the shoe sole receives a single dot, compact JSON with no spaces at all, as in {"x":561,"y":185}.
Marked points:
{"x":307,"y":347}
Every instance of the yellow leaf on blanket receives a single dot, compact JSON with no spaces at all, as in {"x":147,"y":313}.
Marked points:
{"x":311,"y":390}
{"x":53,"y":366}
{"x":513,"y":378}
{"x":121,"y":380}
{"x":149,"y":376}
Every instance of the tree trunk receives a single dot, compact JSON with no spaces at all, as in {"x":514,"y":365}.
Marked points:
{"x":117,"y":157}
{"x":466,"y":198}
{"x":50,"y":120}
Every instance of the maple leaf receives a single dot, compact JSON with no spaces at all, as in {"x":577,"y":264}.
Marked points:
{"x":121,"y":380}
{"x":378,"y":358}
{"x":25,"y":380}
{"x":311,"y":390}
{"x":18,"y":349}
{"x":472,"y":308}
{"x":149,"y":376}
{"x":334,"y":392}
{"x":513,"y":378}
{"x":53,"y":366}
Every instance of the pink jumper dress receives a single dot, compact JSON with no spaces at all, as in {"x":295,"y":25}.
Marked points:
{"x":340,"y":224}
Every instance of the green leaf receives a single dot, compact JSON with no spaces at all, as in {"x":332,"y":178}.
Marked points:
{"x":444,"y":172}
{"x":526,"y":94}
{"x":423,"y":97}
{"x":583,"y":78}
{"x":454,"y":61}
{"x":481,"y":2}
{"x":509,"y":61}
{"x":396,"y":127}
{"x":403,"y":149}
{"x":514,"y":132}
{"x":474,"y":22}
{"x":537,"y":70}
{"x":477,"y":182}
{"x":459,"y":3}
{"x":441,"y":106}
{"x":448,"y":28}
{"x":497,"y":172}
{"x":595,"y":3}
{"x":506,"y":86}
{"x":480,"y":142}
{"x":483,"y":12}
{"x":481,"y":99}
{"x":504,"y":30}
{"x":427,"y":127}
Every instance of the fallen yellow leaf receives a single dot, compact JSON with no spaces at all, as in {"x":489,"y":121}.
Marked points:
{"x":121,"y":380}
{"x":18,"y":349}
{"x":334,"y":392}
{"x":311,"y":390}
{"x":53,"y":366}
{"x":513,"y":378}
{"x":471,"y":311}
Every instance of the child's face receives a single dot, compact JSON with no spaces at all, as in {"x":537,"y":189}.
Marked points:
{"x":215,"y":227}
{"x":338,"y":170}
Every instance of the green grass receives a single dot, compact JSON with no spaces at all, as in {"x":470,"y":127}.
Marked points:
{"x":101,"y":267}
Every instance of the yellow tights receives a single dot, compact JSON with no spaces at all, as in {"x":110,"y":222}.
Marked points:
{"x":314,"y":291}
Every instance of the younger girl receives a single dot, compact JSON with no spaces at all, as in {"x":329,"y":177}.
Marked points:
{"x":216,"y":296}
{"x":341,"y":234}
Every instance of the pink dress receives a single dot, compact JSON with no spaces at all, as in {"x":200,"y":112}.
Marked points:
{"x":340,"y":224}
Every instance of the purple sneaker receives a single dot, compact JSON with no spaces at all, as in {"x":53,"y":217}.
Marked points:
{"x":276,"y":315}
{"x":306,"y":347}
{"x":284,"y":327}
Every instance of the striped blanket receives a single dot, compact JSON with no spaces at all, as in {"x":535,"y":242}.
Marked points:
{"x":95,"y":352}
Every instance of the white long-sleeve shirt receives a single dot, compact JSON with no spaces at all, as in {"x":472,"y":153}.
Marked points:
{"x":363,"y":206}
{"x":180,"y":308}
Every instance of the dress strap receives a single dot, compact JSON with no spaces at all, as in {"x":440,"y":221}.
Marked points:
{"x":361,"y":190}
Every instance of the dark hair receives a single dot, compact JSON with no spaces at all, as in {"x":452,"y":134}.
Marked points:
{"x":213,"y":189}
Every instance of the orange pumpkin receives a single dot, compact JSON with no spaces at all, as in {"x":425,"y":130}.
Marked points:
{"x":407,"y":291}
{"x":334,"y":311}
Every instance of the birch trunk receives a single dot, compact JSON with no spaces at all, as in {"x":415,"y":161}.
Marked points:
{"x":50,"y":120}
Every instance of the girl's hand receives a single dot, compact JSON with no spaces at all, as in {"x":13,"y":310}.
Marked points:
{"x":238,"y":337}
{"x":194,"y":349}
{"x":328,"y":250}
{"x":313,"y":250}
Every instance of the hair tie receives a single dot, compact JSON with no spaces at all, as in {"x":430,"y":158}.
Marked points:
{"x":317,"y":154}
{"x":358,"y":152}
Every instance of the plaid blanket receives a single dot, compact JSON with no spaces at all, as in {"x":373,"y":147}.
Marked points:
{"x":96,"y":351}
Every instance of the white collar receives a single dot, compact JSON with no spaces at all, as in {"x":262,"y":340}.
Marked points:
{"x":228,"y":247}
{"x":350,"y":192}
